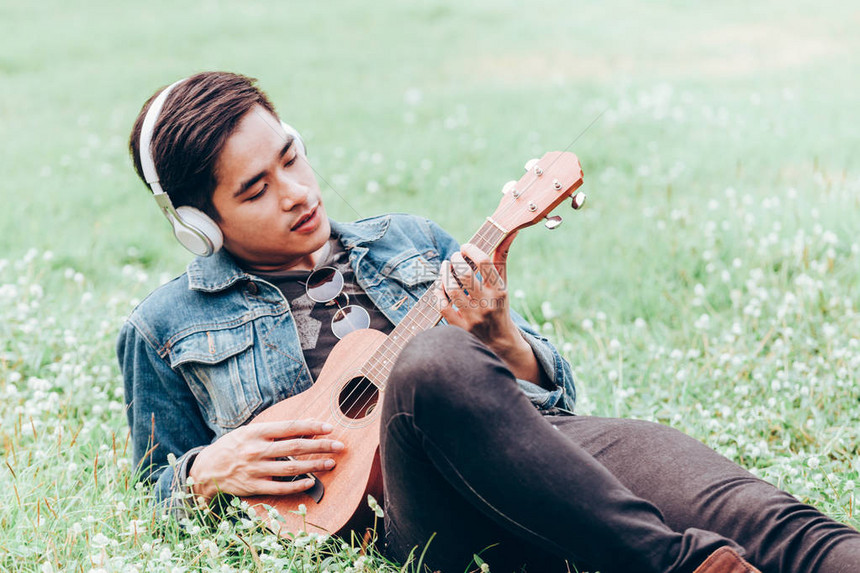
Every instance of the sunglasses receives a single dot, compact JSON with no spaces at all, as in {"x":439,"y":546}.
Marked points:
{"x":325,"y":285}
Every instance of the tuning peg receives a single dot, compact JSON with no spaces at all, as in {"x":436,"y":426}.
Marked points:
{"x":578,"y":200}
{"x":531,"y":163}
{"x":552,"y":222}
{"x":508,"y":187}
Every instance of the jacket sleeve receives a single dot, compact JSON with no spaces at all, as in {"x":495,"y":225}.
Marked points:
{"x":556,"y":368}
{"x":164,"y":419}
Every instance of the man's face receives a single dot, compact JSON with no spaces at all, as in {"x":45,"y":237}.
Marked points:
{"x":272,"y":215}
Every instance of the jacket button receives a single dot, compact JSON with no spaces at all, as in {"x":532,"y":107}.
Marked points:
{"x":251,"y":288}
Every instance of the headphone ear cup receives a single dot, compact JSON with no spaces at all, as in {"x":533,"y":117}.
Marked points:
{"x":294,"y":132}
{"x":197,"y":231}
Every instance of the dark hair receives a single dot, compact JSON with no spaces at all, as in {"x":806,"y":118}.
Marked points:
{"x":198,"y":117}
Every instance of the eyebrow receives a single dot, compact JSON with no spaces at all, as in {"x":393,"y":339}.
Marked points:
{"x":253,"y":180}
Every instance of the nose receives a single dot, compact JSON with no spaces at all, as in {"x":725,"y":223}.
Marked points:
{"x":291,"y":191}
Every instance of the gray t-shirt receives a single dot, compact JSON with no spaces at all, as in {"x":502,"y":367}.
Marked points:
{"x":313,"y":319}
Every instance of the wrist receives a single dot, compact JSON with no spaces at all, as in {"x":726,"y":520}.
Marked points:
{"x":512,"y":348}
{"x":518,"y":356}
{"x":200,"y":485}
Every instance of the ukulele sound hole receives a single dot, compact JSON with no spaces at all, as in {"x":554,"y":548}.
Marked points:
{"x":358,"y":398}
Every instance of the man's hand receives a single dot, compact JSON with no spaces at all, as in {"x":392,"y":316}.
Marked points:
{"x":481,"y":306}
{"x":243,"y":461}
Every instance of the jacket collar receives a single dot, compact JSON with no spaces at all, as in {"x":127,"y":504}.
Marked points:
{"x":220,"y":271}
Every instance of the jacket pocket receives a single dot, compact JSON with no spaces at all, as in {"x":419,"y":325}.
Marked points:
{"x":219,"y":367}
{"x":412,"y":268}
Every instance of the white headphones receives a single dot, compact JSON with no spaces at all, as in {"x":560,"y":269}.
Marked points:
{"x":193,"y":228}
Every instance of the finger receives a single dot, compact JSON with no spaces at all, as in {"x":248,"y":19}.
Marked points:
{"x":438,"y":298}
{"x":299,"y":446}
{"x":448,"y":281}
{"x":290,"y":429}
{"x":453,"y":289}
{"x":478,"y":257}
{"x":490,"y":277}
{"x":464,"y":273}
{"x":294,"y":467}
{"x":447,"y":286}
{"x":273,"y":487}
{"x":443,"y":304}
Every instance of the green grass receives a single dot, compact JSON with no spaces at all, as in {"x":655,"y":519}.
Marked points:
{"x":722,"y":178}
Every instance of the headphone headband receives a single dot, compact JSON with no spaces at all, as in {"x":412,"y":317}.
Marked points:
{"x":147,"y":163}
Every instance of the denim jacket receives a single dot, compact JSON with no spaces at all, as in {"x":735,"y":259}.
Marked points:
{"x":206,"y":352}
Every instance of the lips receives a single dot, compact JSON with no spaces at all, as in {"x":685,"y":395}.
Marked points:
{"x":309,"y":216}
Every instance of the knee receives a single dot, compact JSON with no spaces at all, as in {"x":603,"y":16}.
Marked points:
{"x":443,"y":359}
{"x":432,"y":355}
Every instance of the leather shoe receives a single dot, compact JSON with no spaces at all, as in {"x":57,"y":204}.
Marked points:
{"x":725,"y":560}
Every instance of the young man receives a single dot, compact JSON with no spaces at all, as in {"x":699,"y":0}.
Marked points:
{"x":478,"y":447}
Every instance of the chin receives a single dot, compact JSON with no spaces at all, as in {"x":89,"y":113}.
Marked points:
{"x":324,"y":229}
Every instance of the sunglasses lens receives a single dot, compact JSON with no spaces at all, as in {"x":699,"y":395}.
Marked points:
{"x":348,"y":319}
{"x":324,"y":284}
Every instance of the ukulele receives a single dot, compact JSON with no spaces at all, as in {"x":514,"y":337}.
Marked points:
{"x":352,"y":381}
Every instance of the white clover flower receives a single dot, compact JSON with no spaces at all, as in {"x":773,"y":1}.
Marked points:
{"x":136,"y":527}
{"x":587,"y":325}
{"x":372,"y":186}
{"x":830,"y":238}
{"x":813,"y":462}
{"x":8,"y":291}
{"x":547,"y":310}
{"x":100,"y":540}
{"x":209,"y":546}
{"x":412,"y":96}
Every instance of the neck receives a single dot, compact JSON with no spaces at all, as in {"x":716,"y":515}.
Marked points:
{"x":306,"y":262}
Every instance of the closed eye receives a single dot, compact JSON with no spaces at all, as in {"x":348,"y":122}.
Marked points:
{"x":259,"y":194}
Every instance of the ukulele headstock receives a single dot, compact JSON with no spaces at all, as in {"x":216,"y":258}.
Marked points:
{"x":548,"y":181}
